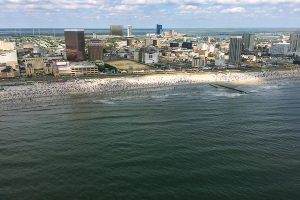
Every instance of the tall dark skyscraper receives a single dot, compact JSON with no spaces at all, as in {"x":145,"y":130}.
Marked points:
{"x":158,"y":29}
{"x":75,"y":44}
{"x":235,"y":49}
{"x":95,"y":51}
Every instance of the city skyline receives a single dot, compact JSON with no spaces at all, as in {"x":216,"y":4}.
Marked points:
{"x":145,"y":14}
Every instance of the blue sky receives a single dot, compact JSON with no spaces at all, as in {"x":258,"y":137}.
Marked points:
{"x":147,"y":13}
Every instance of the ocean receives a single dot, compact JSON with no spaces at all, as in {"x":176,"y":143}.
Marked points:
{"x":183,"y":142}
{"x":214,"y":32}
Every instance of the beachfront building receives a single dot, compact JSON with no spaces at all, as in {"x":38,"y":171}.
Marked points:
{"x":75,"y":44}
{"x":235,"y":48}
{"x":37,"y":63}
{"x":77,"y":69}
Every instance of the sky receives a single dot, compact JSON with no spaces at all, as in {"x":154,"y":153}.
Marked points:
{"x":148,"y":13}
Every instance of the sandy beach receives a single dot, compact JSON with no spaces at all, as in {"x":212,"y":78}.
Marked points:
{"x":87,"y":86}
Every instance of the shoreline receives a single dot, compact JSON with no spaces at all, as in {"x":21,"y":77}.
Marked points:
{"x":123,"y":84}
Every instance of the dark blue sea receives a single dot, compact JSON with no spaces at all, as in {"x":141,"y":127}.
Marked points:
{"x":183,"y":142}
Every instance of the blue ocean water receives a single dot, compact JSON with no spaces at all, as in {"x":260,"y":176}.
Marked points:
{"x":140,"y":31}
{"x":188,"y":142}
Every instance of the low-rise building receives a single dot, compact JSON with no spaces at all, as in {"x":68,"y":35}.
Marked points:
{"x":9,"y":57}
{"x":77,"y":69}
{"x":280,"y":49}
{"x":148,"y":55}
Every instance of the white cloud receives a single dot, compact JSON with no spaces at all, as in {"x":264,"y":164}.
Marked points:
{"x":234,"y":10}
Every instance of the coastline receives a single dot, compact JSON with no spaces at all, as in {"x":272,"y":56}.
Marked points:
{"x":123,"y":84}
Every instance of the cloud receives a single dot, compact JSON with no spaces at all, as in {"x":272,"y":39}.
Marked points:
{"x":155,"y":11}
{"x":234,"y":10}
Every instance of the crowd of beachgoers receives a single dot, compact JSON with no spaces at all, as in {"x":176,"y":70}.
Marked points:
{"x":117,"y":84}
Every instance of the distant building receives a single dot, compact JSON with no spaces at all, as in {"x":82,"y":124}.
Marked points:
{"x":149,"y":42}
{"x":159,"y":29}
{"x":116,"y":30}
{"x":75,"y":44}
{"x":235,"y":48}
{"x":279,"y":49}
{"x":248,"y":42}
{"x":187,"y":45}
{"x":156,"y":42}
{"x":129,"y":31}
{"x":28,"y":46}
{"x":295,"y":42}
{"x":174,"y":44}
{"x":152,"y":42}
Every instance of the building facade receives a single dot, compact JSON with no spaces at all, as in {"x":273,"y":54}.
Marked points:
{"x":9,"y":58}
{"x":95,"y":52}
{"x":129,"y":31}
{"x":75,"y":44}
{"x":235,"y":48}
{"x":280,"y":49}
{"x":248,"y":42}
{"x":159,"y":29}
{"x":295,"y":42}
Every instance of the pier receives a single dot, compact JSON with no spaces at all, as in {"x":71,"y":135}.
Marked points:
{"x":216,"y":85}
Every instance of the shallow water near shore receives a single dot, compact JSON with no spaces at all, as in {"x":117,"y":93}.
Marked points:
{"x":182,"y":142}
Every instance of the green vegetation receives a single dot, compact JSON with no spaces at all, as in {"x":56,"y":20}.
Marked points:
{"x":106,"y":67}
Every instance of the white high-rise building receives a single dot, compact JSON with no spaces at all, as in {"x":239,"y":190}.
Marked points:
{"x":235,"y":49}
{"x":129,"y":31}
{"x":279,"y":49}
